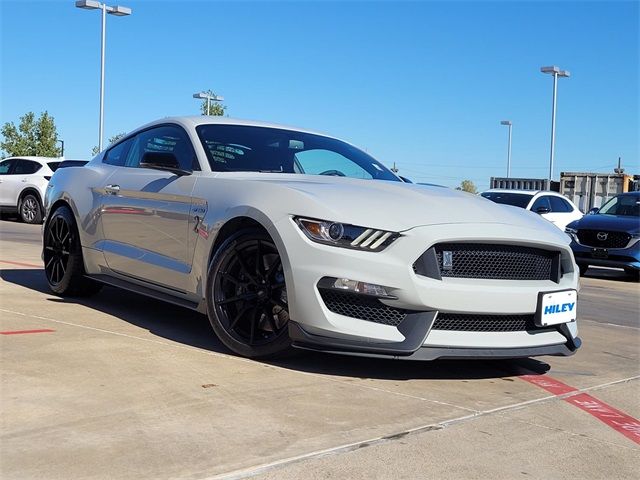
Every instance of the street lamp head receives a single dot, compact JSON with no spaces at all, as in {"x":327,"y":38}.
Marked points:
{"x":120,"y":11}
{"x":204,"y":96}
{"x":505,"y":122}
{"x":88,"y":4}
{"x":552,"y":69}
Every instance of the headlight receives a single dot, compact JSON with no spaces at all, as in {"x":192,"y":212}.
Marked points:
{"x":572,"y":232}
{"x":345,"y":235}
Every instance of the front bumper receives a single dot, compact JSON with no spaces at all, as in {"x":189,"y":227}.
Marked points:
{"x":314,"y":326}
{"x":414,"y":348}
{"x":610,"y":257}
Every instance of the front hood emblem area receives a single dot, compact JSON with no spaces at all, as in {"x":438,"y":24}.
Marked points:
{"x":602,"y":236}
{"x":447,"y":260}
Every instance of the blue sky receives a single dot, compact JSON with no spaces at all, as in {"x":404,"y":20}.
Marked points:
{"x":424,"y":84}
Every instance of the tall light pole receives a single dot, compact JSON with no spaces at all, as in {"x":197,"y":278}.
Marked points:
{"x":209,"y":97}
{"x":508,"y":122}
{"x":118,"y":11}
{"x":62,"y":143}
{"x":556,"y":72}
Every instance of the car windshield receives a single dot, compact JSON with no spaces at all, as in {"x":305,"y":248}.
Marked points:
{"x":625,"y":205}
{"x":239,"y":148}
{"x":507,"y":198}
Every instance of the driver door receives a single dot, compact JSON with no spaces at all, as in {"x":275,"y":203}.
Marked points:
{"x":145,"y":212}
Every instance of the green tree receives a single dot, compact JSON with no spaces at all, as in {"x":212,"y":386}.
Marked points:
{"x":467,"y":186}
{"x":95,"y":150}
{"x":215,"y":108}
{"x":33,"y":136}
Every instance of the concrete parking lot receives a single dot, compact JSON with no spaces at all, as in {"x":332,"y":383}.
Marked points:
{"x":121,"y":386}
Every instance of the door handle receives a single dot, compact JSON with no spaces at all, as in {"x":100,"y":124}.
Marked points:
{"x":112,"y":189}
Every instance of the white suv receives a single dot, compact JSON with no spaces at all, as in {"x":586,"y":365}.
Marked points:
{"x":23,"y":181}
{"x":551,"y":206}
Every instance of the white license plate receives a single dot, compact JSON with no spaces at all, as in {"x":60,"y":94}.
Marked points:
{"x":557,"y":307}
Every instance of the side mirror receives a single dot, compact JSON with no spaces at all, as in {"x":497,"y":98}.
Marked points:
{"x":541,"y":210}
{"x":593,"y":211}
{"x":165,"y":161}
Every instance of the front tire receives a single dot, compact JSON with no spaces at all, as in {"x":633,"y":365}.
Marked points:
{"x":62,"y":254}
{"x":30,"y":209}
{"x":583,"y":269}
{"x":247,"y":296}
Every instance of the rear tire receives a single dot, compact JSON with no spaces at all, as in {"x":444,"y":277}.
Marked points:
{"x":246,"y":296}
{"x":62,"y":254}
{"x":30,"y":209}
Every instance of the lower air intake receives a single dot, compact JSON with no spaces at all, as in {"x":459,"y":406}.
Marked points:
{"x":362,"y":307}
{"x":464,"y":322}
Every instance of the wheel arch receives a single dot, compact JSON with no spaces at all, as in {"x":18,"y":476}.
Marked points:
{"x":30,"y":190}
{"x":229,"y":228}
{"x":61,"y":202}
{"x":239,"y":219}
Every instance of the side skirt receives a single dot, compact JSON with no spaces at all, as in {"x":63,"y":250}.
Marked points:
{"x":142,"y":290}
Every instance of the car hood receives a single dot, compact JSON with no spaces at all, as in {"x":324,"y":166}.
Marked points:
{"x":391,"y":205}
{"x":621,"y":223}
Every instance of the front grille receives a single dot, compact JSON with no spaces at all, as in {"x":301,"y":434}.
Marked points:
{"x":464,"y":322}
{"x":362,"y":307}
{"x":608,"y":239}
{"x":499,"y":262}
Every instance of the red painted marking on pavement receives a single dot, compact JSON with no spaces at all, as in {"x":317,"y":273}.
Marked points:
{"x":619,"y":421}
{"x":21,"y":264}
{"x":551,"y":385}
{"x":19,"y":332}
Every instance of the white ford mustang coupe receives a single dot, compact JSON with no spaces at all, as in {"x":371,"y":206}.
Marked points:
{"x":288,"y":238}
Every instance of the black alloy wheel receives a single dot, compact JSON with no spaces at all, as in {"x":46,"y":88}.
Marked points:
{"x":57,"y":249}
{"x":62,"y":255}
{"x":247,"y":301}
{"x":30,"y":209}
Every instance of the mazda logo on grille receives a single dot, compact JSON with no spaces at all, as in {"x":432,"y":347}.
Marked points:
{"x":447,"y":260}
{"x":602,"y":236}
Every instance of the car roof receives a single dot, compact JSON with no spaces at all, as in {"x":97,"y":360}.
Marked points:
{"x":523,"y":192}
{"x":197,"y":120}
{"x":35,"y":159}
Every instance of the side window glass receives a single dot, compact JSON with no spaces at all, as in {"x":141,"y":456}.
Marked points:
{"x":117,"y":155}
{"x":541,"y":202}
{"x":559,"y":205}
{"x":26,"y":167}
{"x":5,"y":167}
{"x":167,"y":139}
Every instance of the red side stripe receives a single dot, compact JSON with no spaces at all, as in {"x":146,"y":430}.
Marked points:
{"x":20,"y":332}
{"x":21,"y":264}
